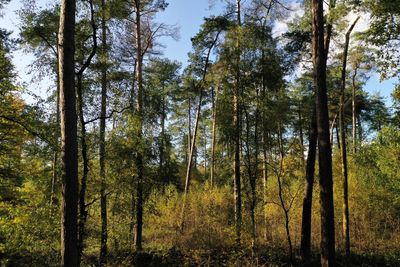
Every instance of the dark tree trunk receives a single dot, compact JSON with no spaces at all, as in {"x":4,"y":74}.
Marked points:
{"x":301,"y":136}
{"x":85,"y":171}
{"x":285,"y":208}
{"x":102,"y":147}
{"x":162,"y":139}
{"x":236,"y":138}
{"x":69,"y":145}
{"x":139,"y":109}
{"x":305,"y":247}
{"x":319,"y":53}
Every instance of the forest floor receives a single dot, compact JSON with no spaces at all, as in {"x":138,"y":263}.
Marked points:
{"x":234,"y":257}
{"x":218,"y":257}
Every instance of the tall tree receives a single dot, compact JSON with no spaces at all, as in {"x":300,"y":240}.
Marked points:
{"x":69,"y":145}
{"x":305,"y":247}
{"x":319,"y":56}
{"x":343,"y":148}
{"x":102,"y":147}
{"x":236,"y":134}
{"x":139,"y":109}
{"x":204,"y":43}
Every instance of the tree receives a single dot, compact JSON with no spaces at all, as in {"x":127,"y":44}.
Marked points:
{"x":144,"y":38}
{"x":319,"y":56}
{"x":346,"y":223}
{"x":69,"y":145}
{"x":204,"y":43}
{"x":102,"y":147}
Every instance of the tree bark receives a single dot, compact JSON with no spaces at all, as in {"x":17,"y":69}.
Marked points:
{"x":69,"y":145}
{"x":354,"y":115}
{"x":162,"y":138}
{"x":214,"y":134}
{"x":236,"y":138}
{"x":305,"y":247}
{"x":196,"y":126}
{"x":280,"y":193}
{"x":346,"y":222}
{"x":57,"y":135}
{"x":139,"y":110}
{"x":102,"y":147}
{"x":319,"y":53}
{"x":85,"y":171}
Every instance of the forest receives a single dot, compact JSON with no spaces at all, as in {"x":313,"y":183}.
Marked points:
{"x":265,"y":148}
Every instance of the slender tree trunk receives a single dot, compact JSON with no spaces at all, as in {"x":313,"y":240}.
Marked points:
{"x":139,"y":109}
{"x":162,"y":137}
{"x":354,"y":115}
{"x":254,"y":184}
{"x":189,"y":143}
{"x":214,"y":134}
{"x":301,"y":135}
{"x":69,"y":145}
{"x":193,"y":144}
{"x":360,"y":130}
{"x":57,"y":135}
{"x":334,"y":124}
{"x":85,"y":171}
{"x":305,"y":247}
{"x":236,"y":138}
{"x":320,"y":53}
{"x":252,"y":181}
{"x":346,"y":223}
{"x":205,"y":152}
{"x":102,"y":147}
{"x":280,"y":193}
{"x":267,"y":232}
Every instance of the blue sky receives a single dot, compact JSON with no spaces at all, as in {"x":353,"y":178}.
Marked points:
{"x":187,"y":15}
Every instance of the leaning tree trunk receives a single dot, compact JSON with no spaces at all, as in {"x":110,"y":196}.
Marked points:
{"x":319,"y":55}
{"x":69,"y":145}
{"x":196,"y":126}
{"x":346,"y":222}
{"x":305,"y":247}
{"x":102,"y":147}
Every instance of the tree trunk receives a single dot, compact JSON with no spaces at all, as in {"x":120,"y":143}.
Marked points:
{"x":319,"y":53}
{"x":85,"y":171}
{"x":214,"y":134}
{"x":305,"y":247}
{"x":354,"y":115}
{"x":189,"y":143}
{"x":346,"y":223}
{"x":267,"y":232}
{"x":57,"y":135}
{"x":236,"y":138}
{"x":301,"y":136}
{"x":162,"y":139}
{"x":193,"y":144}
{"x":102,"y":147}
{"x":69,"y":145}
{"x":252,"y":181}
{"x":139,"y":109}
